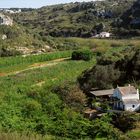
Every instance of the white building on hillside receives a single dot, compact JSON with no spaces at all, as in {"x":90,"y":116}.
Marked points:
{"x":102,"y":35}
{"x":126,"y":98}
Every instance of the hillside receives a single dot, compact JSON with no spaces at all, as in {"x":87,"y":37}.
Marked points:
{"x":18,"y":40}
{"x":62,"y":87}
{"x":35,"y":30}
{"x":131,"y":18}
{"x":40,"y":95}
{"x":74,"y":19}
{"x":128,"y":24}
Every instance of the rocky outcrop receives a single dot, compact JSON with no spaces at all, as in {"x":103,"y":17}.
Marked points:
{"x":5,"y":20}
{"x":131,"y":18}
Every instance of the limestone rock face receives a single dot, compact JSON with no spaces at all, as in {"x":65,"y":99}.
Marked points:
{"x":5,"y":20}
{"x":4,"y":37}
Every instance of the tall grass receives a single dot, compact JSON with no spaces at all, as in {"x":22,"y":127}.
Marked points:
{"x":19,"y":62}
{"x":55,"y":74}
{"x":92,"y":43}
{"x":14,"y":91}
{"x":22,"y":136}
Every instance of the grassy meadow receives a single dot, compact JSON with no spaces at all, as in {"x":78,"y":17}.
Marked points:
{"x":9,"y":64}
{"x":15,"y":90}
{"x":96,"y":43}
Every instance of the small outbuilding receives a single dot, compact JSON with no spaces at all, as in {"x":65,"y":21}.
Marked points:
{"x":102,"y":93}
{"x":102,"y":35}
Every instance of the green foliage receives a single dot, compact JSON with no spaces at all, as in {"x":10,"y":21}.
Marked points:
{"x":128,"y":24}
{"x":73,"y":19}
{"x":71,"y":95}
{"x":99,"y":76}
{"x":104,"y":129}
{"x":110,"y":72}
{"x":10,"y":31}
{"x":5,"y":52}
{"x":25,"y":136}
{"x":131,"y":17}
{"x":19,"y":62}
{"x":52,"y":109}
{"x":39,"y":109}
{"x":125,"y":121}
{"x":17,"y":37}
{"x":82,"y":55}
{"x":135,"y":134}
{"x":31,"y":107}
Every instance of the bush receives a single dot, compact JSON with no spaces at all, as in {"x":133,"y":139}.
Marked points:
{"x":125,"y":121}
{"x":110,"y":72}
{"x":82,"y":55}
{"x":101,"y":77}
{"x":4,"y":52}
{"x":71,"y":95}
{"x":31,"y":108}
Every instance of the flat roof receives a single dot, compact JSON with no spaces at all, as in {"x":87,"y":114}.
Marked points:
{"x":102,"y":92}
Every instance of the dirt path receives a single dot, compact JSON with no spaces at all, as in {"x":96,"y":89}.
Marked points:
{"x":35,"y":66}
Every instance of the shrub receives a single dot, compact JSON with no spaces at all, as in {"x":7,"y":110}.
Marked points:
{"x":8,"y":52}
{"x":71,"y":95}
{"x":99,"y":76}
{"x":105,"y":60}
{"x":82,"y":55}
{"x":100,"y":51}
{"x":31,"y":107}
{"x":125,"y":121}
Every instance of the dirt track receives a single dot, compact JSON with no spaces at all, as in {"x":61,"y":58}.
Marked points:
{"x":35,"y":66}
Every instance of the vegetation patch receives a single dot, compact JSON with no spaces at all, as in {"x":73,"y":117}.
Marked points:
{"x":82,"y":55}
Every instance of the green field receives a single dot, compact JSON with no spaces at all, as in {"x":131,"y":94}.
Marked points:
{"x":32,"y":106}
{"x":15,"y":89}
{"x":51,"y":60}
{"x":9,"y":64}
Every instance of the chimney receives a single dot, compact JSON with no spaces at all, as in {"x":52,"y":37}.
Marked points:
{"x":129,"y":85}
{"x":138,"y":94}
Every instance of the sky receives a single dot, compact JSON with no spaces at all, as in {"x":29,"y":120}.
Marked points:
{"x":33,"y":3}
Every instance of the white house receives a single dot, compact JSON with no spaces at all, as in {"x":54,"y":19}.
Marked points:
{"x":126,"y":98}
{"x":102,"y":35}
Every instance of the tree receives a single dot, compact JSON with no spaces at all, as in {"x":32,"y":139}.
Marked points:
{"x":102,"y":77}
{"x":124,"y":121}
{"x":82,"y":55}
{"x":71,"y":95}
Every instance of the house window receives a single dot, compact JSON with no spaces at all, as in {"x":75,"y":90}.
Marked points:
{"x":133,"y":106}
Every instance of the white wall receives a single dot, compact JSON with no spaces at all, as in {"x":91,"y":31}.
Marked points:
{"x":130,"y":96}
{"x":129,"y":107}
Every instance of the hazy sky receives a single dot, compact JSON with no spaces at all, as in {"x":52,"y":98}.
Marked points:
{"x":33,"y":3}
